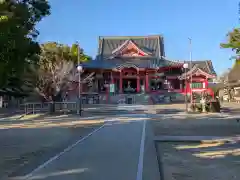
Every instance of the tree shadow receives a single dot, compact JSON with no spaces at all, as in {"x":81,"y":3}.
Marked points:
{"x":233,"y":111}
{"x":33,"y":143}
{"x":73,"y":170}
{"x":169,"y":111}
{"x":5,"y":113}
{"x":199,"y":160}
{"x":28,"y":144}
{"x":181,"y":155}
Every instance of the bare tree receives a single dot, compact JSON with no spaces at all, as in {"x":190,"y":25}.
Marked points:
{"x":56,"y":72}
{"x":223,"y":78}
{"x":52,"y":80}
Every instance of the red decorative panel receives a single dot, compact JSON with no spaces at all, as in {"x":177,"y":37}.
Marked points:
{"x":129,"y":49}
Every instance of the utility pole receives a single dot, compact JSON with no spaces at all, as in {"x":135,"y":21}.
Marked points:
{"x":186,"y":97}
{"x":239,"y":11}
{"x":190,"y":58}
{"x":185,"y":66}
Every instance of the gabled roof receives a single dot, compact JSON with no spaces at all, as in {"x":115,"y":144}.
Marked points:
{"x":196,"y":70}
{"x":153,"y":44}
{"x":204,"y":65}
{"x":131,"y":44}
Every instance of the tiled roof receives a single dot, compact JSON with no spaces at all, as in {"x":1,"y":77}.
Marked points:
{"x":172,"y":62}
{"x":153,"y":44}
{"x":148,"y":62}
{"x":12,"y":91}
{"x":149,"y":44}
{"x":205,"y":65}
{"x":114,"y":63}
{"x":142,"y":62}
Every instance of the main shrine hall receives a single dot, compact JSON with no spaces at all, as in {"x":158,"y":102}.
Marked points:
{"x":138,"y":64}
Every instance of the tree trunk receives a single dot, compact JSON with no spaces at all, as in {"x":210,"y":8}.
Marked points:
{"x":52,"y":107}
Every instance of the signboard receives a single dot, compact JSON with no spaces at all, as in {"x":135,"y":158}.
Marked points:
{"x":112,"y":88}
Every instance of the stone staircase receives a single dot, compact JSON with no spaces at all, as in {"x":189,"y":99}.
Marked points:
{"x":143,"y":99}
{"x":168,"y":97}
{"x":125,"y":99}
{"x":111,"y":99}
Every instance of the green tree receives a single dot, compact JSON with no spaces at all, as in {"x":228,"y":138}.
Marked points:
{"x":18,"y":47}
{"x":233,"y":42}
{"x":78,"y":54}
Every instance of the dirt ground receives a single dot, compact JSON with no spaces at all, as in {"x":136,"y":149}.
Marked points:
{"x":174,"y":122}
{"x":26,"y":144}
{"x":196,"y":126}
{"x":197,"y":161}
{"x":190,"y":161}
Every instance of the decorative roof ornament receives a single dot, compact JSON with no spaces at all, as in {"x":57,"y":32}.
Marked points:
{"x":127,"y":65}
{"x":129,"y":48}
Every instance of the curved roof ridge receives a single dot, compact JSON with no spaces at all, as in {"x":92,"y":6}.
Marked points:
{"x":173,"y":60}
{"x":194,"y":61}
{"x":124,"y":37}
{"x":207,"y":64}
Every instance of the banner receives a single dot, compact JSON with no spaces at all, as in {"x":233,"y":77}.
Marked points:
{"x":112,"y":88}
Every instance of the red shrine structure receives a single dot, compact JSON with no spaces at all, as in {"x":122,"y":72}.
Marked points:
{"x":137,"y":64}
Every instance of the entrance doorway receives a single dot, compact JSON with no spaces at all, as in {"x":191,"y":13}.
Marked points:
{"x":129,"y":85}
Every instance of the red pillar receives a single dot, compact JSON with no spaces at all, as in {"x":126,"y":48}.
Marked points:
{"x":120,"y":82}
{"x":206,"y":83}
{"x":112,"y":79}
{"x":107,"y":93}
{"x":138,"y":84}
{"x":138,"y":81}
{"x":146,"y":83}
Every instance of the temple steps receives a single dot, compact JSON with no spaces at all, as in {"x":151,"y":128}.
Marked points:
{"x":143,"y":99}
{"x":167,"y":97}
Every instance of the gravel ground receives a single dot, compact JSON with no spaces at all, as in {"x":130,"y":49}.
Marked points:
{"x":191,"y":161}
{"x":196,"y":126}
{"x":26,"y":145}
{"x":195,"y":161}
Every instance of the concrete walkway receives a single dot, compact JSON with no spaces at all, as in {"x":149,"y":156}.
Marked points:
{"x":119,"y":150}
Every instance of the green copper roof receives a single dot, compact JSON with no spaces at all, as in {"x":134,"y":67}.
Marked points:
{"x":153,"y":44}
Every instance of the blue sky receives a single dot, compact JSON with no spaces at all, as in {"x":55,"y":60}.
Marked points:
{"x":205,"y":21}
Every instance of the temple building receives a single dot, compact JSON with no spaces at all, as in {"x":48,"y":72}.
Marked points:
{"x":138,"y":64}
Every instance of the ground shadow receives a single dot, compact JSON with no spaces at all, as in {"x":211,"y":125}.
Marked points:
{"x":233,"y":111}
{"x":29,"y":145}
{"x":64,"y":171}
{"x":26,"y":146}
{"x":196,"y":160}
{"x":191,"y":160}
{"x":169,"y":111}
